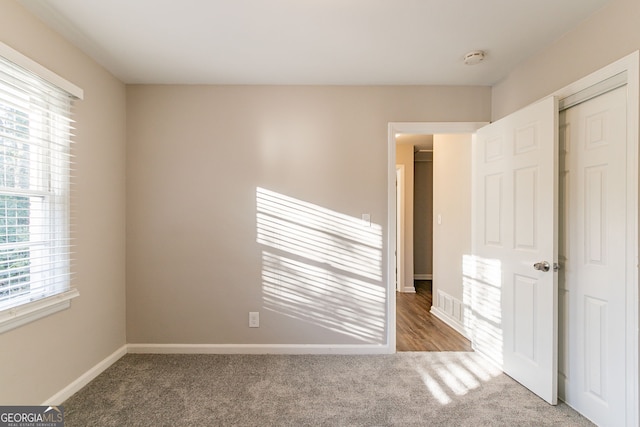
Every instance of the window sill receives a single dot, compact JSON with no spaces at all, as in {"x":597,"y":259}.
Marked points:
{"x":17,"y":316}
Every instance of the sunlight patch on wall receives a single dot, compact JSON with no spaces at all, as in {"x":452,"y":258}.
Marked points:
{"x":482,"y":283}
{"x":321,"y":266}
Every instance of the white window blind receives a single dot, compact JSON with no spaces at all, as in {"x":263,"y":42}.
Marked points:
{"x":35,"y":164}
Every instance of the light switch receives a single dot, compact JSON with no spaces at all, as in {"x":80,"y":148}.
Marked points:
{"x":254,"y":319}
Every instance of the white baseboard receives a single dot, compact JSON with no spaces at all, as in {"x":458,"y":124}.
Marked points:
{"x":423,"y":277}
{"x":451,"y":311}
{"x":258,"y":349}
{"x":408,"y":290}
{"x":85,"y":378}
{"x":449,"y":321}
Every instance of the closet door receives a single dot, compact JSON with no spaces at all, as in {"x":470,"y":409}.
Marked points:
{"x":593,"y":257}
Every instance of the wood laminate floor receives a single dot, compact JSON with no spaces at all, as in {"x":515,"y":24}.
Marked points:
{"x":418,"y":330}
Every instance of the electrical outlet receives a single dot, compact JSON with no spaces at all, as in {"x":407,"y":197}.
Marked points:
{"x":254,"y":319}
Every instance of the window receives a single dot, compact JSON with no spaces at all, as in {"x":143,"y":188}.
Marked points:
{"x":35,"y":163}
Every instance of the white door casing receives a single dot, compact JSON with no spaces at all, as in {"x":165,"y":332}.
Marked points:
{"x":593,"y":257}
{"x":515,"y":227}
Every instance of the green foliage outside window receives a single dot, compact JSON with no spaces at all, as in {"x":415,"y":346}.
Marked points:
{"x":14,"y":208}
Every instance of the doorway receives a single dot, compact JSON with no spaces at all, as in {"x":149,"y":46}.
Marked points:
{"x":412,"y":129}
{"x":418,"y":327}
{"x":438,"y":214}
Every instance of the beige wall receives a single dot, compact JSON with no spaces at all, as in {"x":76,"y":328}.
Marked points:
{"x":39,"y":359}
{"x":608,"y":35}
{"x":452,"y":201}
{"x":196,"y":157}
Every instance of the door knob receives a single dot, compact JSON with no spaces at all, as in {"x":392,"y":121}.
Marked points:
{"x":542,"y":266}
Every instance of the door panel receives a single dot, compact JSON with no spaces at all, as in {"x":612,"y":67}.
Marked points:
{"x":493,"y":207}
{"x":515,"y":227}
{"x":525,"y":294}
{"x":526,"y":181}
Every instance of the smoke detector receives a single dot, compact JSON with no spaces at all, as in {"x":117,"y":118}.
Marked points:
{"x":474,"y":57}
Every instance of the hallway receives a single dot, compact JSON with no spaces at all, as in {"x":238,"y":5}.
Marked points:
{"x":418,"y":330}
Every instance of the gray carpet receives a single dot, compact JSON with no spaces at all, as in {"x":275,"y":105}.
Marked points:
{"x":404,"y":389}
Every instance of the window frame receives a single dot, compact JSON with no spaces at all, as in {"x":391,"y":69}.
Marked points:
{"x":27,"y":310}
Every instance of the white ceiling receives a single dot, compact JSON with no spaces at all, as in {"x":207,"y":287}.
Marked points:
{"x":342,"y":42}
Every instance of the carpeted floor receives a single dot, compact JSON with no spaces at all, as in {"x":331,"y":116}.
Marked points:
{"x":403,"y":389}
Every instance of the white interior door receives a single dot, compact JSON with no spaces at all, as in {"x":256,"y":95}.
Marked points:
{"x":515,"y":227}
{"x":593,"y":257}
